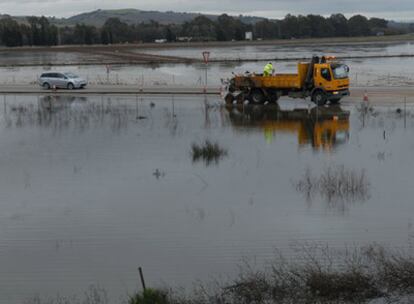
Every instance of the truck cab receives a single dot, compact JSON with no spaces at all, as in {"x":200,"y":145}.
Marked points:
{"x":330,"y":82}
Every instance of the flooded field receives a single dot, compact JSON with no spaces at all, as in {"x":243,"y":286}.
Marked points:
{"x":10,"y":58}
{"x":364,"y":72}
{"x":91,"y":188}
{"x":288,"y":51}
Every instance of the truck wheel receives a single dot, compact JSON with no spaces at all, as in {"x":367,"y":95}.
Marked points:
{"x":334,"y":100}
{"x":319,"y":98}
{"x":257,"y":96}
{"x":229,"y":99}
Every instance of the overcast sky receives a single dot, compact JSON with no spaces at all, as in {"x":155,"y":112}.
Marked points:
{"x":390,"y":9}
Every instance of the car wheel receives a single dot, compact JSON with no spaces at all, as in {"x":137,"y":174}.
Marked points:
{"x":70,"y":86}
{"x":46,"y":86}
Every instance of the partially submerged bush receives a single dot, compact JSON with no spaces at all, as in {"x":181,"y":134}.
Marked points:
{"x":208,"y":151}
{"x":150,"y":296}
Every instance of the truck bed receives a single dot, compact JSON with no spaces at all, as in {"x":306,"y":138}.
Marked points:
{"x":277,"y":81}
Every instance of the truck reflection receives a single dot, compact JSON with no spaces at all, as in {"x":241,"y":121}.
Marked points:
{"x":321,"y":127}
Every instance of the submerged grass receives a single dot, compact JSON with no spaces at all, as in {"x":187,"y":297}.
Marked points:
{"x":335,"y":183}
{"x":208,"y":152}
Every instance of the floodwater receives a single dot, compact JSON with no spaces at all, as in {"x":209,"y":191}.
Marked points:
{"x":364,"y":72}
{"x":92,"y":188}
{"x":287,"y":51}
{"x":10,"y":58}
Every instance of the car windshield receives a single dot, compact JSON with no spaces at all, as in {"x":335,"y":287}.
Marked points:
{"x":340,"y":71}
{"x":71,"y":75}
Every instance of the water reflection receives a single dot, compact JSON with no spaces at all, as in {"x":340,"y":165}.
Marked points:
{"x":321,"y":127}
{"x":338,"y":186}
{"x":64,"y":111}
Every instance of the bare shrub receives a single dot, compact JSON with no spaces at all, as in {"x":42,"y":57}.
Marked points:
{"x":314,"y":274}
{"x":394,"y":269}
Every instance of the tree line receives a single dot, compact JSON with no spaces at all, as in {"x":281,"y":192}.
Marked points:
{"x":38,"y":31}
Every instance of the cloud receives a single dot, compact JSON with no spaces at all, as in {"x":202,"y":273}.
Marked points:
{"x":396,"y":9}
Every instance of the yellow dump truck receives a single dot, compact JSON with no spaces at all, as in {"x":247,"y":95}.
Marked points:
{"x":323,"y":79}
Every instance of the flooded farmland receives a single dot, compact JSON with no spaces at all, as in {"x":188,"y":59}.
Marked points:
{"x":365,"y":70}
{"x":290,"y":51}
{"x":94,"y":187}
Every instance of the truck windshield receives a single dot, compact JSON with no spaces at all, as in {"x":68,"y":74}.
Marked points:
{"x":340,"y":71}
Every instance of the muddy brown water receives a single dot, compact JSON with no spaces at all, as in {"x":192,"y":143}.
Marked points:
{"x":92,"y":188}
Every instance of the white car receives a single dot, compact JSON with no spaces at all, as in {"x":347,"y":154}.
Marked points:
{"x":68,"y":81}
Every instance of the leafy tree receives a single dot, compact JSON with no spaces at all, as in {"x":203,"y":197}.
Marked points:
{"x":42,"y":32}
{"x":115,"y":31}
{"x":169,"y":34}
{"x":359,"y":26}
{"x":10,"y":32}
{"x":339,"y":24}
{"x":290,"y":27}
{"x":229,"y":28}
{"x":266,"y":29}
{"x":320,"y":27}
{"x":378,"y":23}
{"x":200,"y":28}
{"x":85,"y":34}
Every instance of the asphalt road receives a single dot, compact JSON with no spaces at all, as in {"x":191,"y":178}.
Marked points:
{"x":375,"y":94}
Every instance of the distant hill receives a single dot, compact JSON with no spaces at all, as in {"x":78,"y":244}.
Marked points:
{"x":134,"y":16}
